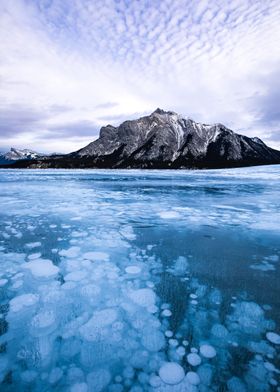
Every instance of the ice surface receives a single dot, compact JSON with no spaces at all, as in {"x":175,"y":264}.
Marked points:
{"x":181,"y":351}
{"x":34,"y":256}
{"x":98,"y":380}
{"x":23,"y":301}
{"x":155,"y":381}
{"x":207,"y":351}
{"x":75,"y":276}
{"x":3,"y":282}
{"x":94,"y":328}
{"x":166,"y":313}
{"x":143,"y":297}
{"x":28,"y":376}
{"x":171,"y":373}
{"x":126,"y":274}
{"x":96,"y":256}
{"x":71,"y":252}
{"x":263,"y":266}
{"x":152,"y":339}
{"x":193,"y":378}
{"x":236,"y":385}
{"x":249,"y":317}
{"x":43,"y":323}
{"x":273,"y":337}
{"x":41,"y":268}
{"x":133,"y":269}
{"x":32,"y":245}
{"x":219,"y":331}
{"x":79,"y":387}
{"x":194,"y":359}
{"x":55,"y":375}
{"x":169,"y":215}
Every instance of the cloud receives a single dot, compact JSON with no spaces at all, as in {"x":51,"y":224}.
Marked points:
{"x":119,"y":118}
{"x":91,"y":62}
{"x":19,"y":124}
{"x":106,"y":105}
{"x":16,"y":120}
{"x":71,"y":130}
{"x":267,"y":103}
{"x":265,"y":110}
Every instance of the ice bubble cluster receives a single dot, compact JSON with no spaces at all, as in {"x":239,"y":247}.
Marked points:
{"x":78,"y":324}
{"x":268,"y":263}
{"x":97,"y":313}
{"x":22,"y":302}
{"x":95,"y":328}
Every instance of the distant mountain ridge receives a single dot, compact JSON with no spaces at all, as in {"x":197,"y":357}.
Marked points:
{"x":16,"y":154}
{"x":165,"y":140}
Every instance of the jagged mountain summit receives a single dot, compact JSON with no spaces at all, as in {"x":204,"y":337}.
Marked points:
{"x":163,"y":140}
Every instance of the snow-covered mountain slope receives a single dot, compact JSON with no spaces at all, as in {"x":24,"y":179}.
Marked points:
{"x":15,"y":154}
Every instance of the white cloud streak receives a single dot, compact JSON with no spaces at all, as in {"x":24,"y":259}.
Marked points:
{"x":216,"y":61}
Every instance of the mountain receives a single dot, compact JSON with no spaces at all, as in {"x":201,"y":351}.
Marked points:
{"x":164,"y":140}
{"x":16,"y":154}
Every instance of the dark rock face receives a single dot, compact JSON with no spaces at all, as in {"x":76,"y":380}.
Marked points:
{"x":166,"y":140}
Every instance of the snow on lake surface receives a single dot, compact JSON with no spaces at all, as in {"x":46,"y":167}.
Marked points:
{"x":140,"y":280}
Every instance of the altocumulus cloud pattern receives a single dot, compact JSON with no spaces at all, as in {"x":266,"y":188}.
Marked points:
{"x":69,"y":67}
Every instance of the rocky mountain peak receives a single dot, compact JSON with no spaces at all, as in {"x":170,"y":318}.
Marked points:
{"x":163,"y":112}
{"x":166,"y":139}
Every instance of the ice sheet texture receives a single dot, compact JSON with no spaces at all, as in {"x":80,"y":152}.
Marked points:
{"x":140,"y":280}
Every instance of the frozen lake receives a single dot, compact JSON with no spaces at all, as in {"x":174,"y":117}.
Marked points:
{"x":140,"y":280}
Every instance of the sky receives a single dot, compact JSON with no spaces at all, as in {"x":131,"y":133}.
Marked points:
{"x":68,"y":67}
